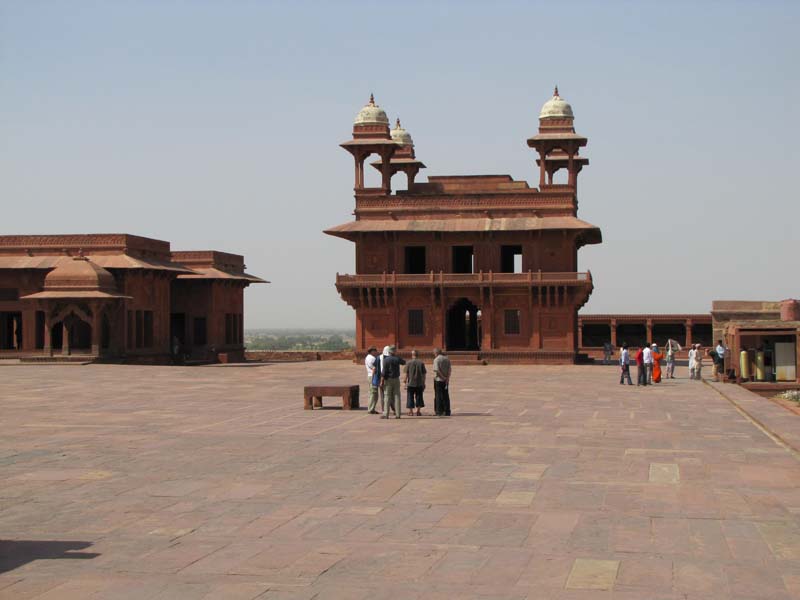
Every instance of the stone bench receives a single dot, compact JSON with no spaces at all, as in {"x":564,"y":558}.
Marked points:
{"x":313,"y":394}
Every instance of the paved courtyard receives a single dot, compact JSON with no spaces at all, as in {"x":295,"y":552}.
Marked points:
{"x":547,"y":482}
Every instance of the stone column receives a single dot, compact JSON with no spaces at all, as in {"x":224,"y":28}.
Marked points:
{"x":573,"y":176}
{"x":613,"y":325}
{"x":48,"y":341}
{"x":64,"y":337}
{"x":649,"y":326}
{"x":96,"y":329}
{"x":29,"y":330}
{"x":688,"y":326}
{"x":580,"y":333}
{"x":542,"y":168}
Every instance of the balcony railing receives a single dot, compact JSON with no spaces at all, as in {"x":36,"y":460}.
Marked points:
{"x":489,"y":278}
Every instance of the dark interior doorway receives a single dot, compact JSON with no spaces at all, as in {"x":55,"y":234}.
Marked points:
{"x":702,"y":334}
{"x":596,"y":334}
{"x":462,"y":326}
{"x":633,"y":334}
{"x":415,"y":260}
{"x":511,"y":259}
{"x":80,"y":335}
{"x":105,"y":333}
{"x":463,"y":259}
{"x":10,"y":330}
{"x":669,"y":331}
{"x":177,"y":328}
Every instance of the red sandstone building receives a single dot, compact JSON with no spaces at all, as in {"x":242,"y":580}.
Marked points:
{"x":481,"y":264}
{"x":119,"y":297}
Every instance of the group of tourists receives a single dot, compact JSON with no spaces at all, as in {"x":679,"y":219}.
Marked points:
{"x":648,"y":362}
{"x":384,"y":373}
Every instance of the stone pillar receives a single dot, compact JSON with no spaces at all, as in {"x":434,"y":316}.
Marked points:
{"x":573,"y":176}
{"x":542,"y":168}
{"x":688,"y":327}
{"x":359,"y":183}
{"x":649,"y":326}
{"x":580,"y":332}
{"x":386,"y":172}
{"x":29,"y":330}
{"x":64,"y":337}
{"x":613,"y":325}
{"x":48,"y":341}
{"x":96,"y":329}
{"x":487,"y":326}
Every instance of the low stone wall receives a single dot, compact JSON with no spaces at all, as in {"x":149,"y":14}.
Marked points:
{"x":296,"y":356}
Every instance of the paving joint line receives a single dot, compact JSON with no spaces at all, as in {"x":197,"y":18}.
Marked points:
{"x":776,"y":438}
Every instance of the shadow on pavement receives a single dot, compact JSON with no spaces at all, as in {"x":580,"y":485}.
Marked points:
{"x":15,"y":553}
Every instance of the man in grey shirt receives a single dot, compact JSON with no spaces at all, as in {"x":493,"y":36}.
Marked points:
{"x":442,"y":370}
{"x":414,"y":378}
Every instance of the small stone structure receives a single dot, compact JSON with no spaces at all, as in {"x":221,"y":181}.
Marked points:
{"x":770,"y":334}
{"x":119,"y":297}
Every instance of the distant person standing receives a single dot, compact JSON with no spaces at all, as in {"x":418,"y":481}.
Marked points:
{"x":641,"y":370}
{"x":624,"y":365}
{"x":415,"y":373}
{"x":692,"y":361}
{"x":442,"y":370}
{"x":698,"y":363}
{"x":719,"y":361}
{"x":657,"y":358}
{"x":390,"y":380}
{"x":672,"y":349}
{"x":383,"y":355}
{"x":647,"y":356}
{"x":373,"y":378}
{"x":607,"y":352}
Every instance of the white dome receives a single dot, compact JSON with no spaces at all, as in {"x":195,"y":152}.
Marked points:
{"x":371,"y":114}
{"x":401,"y":136}
{"x":556,"y":108}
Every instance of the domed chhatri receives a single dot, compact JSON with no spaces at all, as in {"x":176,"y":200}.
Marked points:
{"x":79,"y":275}
{"x":556,"y":108}
{"x":371,"y":114}
{"x":401,"y":136}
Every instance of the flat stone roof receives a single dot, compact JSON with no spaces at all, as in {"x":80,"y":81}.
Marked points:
{"x":547,"y":482}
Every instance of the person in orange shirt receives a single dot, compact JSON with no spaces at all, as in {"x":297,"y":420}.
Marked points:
{"x":657,"y":358}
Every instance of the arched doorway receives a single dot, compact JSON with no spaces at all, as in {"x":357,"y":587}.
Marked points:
{"x":79,"y":334}
{"x":463,"y":331}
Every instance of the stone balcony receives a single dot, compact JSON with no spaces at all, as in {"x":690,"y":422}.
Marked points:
{"x":480,"y":279}
{"x":545,"y":289}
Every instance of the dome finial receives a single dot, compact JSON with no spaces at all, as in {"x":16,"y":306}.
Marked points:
{"x":397,"y":123}
{"x":555,"y":91}
{"x":372,"y":100}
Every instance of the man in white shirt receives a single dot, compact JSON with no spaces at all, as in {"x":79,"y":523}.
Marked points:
{"x":692,"y":354}
{"x":625,"y":365}
{"x":648,"y":364}
{"x":370,"y":362}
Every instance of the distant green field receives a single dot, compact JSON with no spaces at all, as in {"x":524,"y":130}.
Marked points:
{"x":299,"y":339}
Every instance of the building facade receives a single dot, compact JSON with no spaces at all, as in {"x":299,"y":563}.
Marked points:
{"x":119,"y":297}
{"x":764,"y":339}
{"x":475,"y":264}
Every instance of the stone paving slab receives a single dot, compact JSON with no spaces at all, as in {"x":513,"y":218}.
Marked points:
{"x":124,"y":482}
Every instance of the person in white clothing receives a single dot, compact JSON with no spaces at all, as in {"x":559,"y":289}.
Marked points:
{"x":673,"y":348}
{"x":692,"y":355}
{"x":383,"y":355}
{"x":648,"y":364}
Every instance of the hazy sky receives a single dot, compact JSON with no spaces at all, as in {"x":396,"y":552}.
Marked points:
{"x":217,"y":124}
